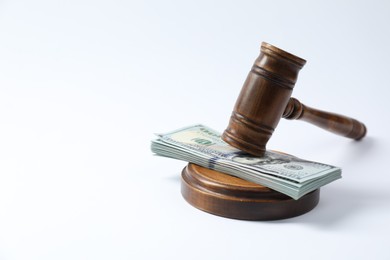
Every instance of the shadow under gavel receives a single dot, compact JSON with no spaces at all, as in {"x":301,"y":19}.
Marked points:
{"x":266,"y":97}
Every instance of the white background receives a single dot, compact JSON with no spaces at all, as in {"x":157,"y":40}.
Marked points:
{"x":85,"y":84}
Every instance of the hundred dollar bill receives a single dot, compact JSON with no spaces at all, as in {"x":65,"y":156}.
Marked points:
{"x":287,"y":174}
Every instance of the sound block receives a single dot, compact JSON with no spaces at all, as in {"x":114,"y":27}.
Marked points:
{"x":231,"y":197}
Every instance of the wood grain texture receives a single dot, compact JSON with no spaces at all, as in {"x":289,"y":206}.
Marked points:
{"x":263,"y":99}
{"x":335,"y":123}
{"x":266,"y":97}
{"x":228,"y":196}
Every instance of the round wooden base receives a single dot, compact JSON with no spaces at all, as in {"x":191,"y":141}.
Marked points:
{"x":227,"y":196}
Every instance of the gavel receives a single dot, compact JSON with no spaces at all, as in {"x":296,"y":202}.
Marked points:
{"x":266,"y":97}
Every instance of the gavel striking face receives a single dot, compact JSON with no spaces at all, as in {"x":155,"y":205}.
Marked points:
{"x":266,"y":97}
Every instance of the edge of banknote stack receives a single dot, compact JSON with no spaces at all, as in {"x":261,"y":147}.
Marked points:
{"x":284,"y":173}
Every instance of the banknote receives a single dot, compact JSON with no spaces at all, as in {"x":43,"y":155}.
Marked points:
{"x":285,"y":173}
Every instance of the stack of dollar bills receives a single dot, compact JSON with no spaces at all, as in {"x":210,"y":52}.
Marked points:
{"x":287,"y":174}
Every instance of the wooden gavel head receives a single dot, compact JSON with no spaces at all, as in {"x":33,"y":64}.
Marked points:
{"x":265,"y":98}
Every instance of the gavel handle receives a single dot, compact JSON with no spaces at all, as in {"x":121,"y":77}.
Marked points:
{"x":334,"y":123}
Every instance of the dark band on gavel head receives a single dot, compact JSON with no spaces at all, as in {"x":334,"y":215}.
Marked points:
{"x":266,"y":97}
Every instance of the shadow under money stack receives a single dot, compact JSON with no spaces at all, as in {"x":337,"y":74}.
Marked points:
{"x":233,"y":175}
